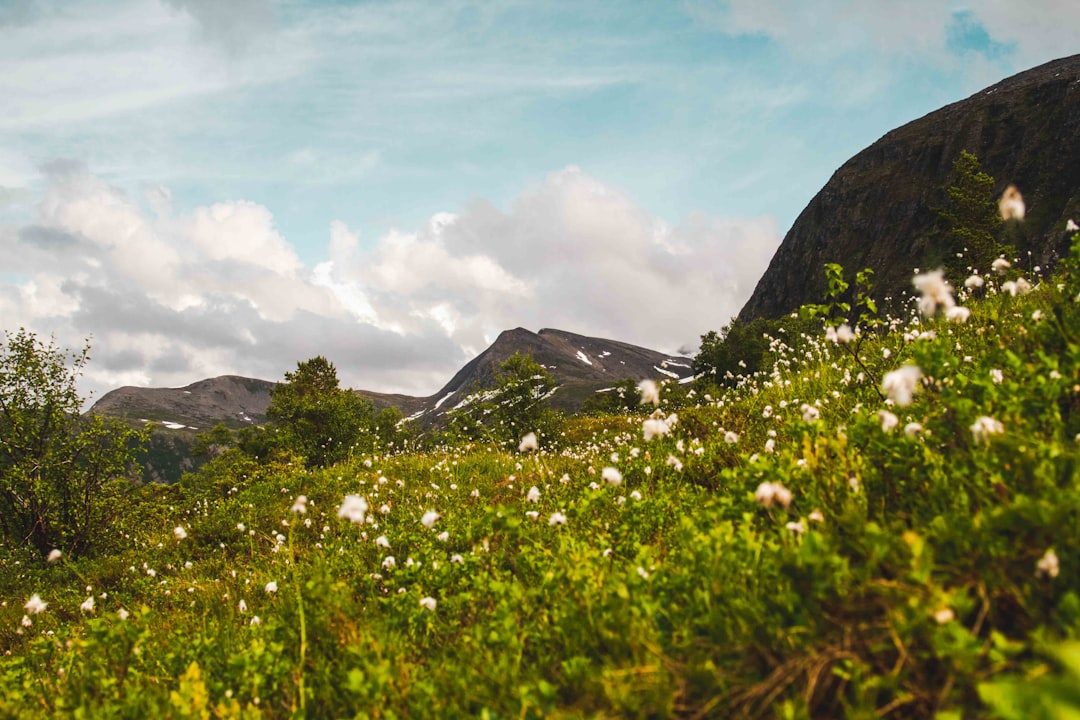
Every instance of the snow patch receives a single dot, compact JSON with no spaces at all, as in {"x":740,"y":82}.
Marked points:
{"x":666,"y":372}
{"x":444,"y":399}
{"x":584,"y":358}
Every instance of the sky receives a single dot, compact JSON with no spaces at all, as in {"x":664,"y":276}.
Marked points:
{"x":203,"y":188}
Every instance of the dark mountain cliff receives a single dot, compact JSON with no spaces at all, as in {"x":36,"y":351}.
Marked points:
{"x":877,"y":210}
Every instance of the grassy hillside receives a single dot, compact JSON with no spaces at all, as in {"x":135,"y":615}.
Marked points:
{"x":799,"y":545}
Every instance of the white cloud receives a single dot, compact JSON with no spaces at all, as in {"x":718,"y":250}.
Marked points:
{"x":572,"y":254}
{"x":171,"y":298}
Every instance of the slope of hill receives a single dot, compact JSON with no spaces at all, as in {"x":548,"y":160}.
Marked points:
{"x":877,"y":210}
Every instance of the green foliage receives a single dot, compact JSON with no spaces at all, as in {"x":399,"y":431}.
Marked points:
{"x":972,"y":221}
{"x":923,"y":563}
{"x":56,"y":466}
{"x":741,"y":349}
{"x":314,"y":417}
{"x":516,"y":406}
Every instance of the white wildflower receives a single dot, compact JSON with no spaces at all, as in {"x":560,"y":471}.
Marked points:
{"x":810,"y":413}
{"x":888,"y":420}
{"x":383,"y":542}
{"x":534,"y":494}
{"x":984,"y":427}
{"x":87,"y":604}
{"x":611,"y":476}
{"x":1020,"y":286}
{"x":650,"y":393}
{"x":796,"y":527}
{"x":945,"y":615}
{"x":353,"y":508}
{"x":54,"y":555}
{"x":271,"y":587}
{"x":934,"y":291}
{"x":997,"y":376}
{"x":428,"y":603}
{"x":557,"y":518}
{"x":654,"y":428}
{"x":958,"y":314}
{"x":528,"y":443}
{"x":300,"y":504}
{"x":429,"y":519}
{"x":1048,"y":565}
{"x":912,"y":429}
{"x":1011,"y":204}
{"x":35,"y":605}
{"x":974,"y":281}
{"x":1071,"y":226}
{"x":769,"y":492}
{"x":389,"y":562}
{"x":180,"y":532}
{"x":731,"y":438}
{"x":899,"y":385}
{"x":1000,"y":265}
{"x":844,"y":334}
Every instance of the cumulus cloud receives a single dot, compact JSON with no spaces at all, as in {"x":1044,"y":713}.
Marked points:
{"x":571,"y":253}
{"x":172,"y":297}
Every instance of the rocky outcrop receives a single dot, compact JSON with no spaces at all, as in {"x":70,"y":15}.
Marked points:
{"x":877,"y":210}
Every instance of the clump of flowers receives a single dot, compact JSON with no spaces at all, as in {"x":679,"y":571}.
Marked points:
{"x":900,"y":384}
{"x":528,"y":443}
{"x":985,"y":427}
{"x":1048,"y":565}
{"x":769,"y":493}
{"x":612,"y":476}
{"x":650,"y":393}
{"x":353,"y":508}
{"x":935,"y":292}
{"x":1011,"y":204}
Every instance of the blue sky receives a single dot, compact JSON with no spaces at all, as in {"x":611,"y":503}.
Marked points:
{"x":217,"y":180}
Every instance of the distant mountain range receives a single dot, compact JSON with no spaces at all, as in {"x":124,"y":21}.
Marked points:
{"x":877,"y":211}
{"x":580,"y":365}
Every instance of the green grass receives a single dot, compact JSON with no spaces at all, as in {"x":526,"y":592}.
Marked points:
{"x":901,"y":581}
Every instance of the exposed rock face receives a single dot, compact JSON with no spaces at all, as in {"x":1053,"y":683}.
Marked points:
{"x":877,"y":210}
{"x":234,"y":400}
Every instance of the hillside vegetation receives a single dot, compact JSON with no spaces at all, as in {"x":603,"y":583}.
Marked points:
{"x":879,"y":522}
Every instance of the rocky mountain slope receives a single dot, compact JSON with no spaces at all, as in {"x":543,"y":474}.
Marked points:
{"x":581,"y":365}
{"x":877,"y":210}
{"x":231,"y":399}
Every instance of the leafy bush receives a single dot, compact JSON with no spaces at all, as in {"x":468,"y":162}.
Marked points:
{"x":57,"y":467}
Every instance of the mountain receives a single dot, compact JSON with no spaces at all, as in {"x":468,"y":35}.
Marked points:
{"x":580,"y":365}
{"x":877,"y":210}
{"x":231,"y":399}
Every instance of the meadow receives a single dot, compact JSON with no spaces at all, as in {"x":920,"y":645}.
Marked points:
{"x":883,"y":523}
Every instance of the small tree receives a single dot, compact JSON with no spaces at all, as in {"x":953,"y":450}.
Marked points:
{"x":971,"y":216}
{"x":516,"y":406}
{"x":316,"y":418}
{"x":56,"y":465}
